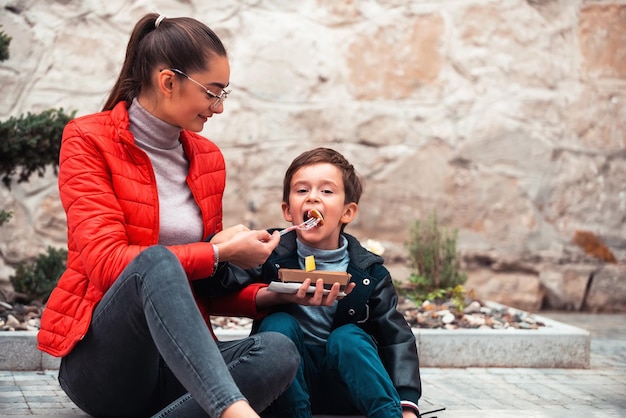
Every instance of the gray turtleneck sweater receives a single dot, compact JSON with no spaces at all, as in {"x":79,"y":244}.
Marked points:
{"x":180,"y":220}
{"x":317,"y":321}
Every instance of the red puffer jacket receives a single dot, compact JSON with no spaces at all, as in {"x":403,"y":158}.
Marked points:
{"x":108,"y":189}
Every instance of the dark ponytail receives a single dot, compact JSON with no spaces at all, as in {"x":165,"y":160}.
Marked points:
{"x":181,"y":42}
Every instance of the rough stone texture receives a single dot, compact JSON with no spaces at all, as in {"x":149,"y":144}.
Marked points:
{"x":508,"y":118}
{"x":20,"y":351}
{"x":517,"y":289}
{"x":565,"y":287}
{"x":607,"y":291}
{"x":563,"y":349}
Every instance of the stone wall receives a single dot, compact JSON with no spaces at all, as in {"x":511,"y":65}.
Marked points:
{"x":506,"y":117}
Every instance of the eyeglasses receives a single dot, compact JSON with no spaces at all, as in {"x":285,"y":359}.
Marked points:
{"x":218,"y":99}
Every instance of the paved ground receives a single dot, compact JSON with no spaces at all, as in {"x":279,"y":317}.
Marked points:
{"x":465,"y":392}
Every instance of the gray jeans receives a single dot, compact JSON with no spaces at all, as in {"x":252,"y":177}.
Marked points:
{"x":148,"y":351}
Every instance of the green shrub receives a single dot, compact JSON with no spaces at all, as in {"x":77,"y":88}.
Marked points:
{"x":5,"y":40}
{"x":30,"y":143}
{"x":436,"y":267}
{"x":5,"y":216}
{"x":36,"y":279}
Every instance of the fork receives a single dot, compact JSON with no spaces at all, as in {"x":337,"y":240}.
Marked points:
{"x":304,"y":226}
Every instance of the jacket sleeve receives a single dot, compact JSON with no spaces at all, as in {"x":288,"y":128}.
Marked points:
{"x":232,"y":291}
{"x":238,"y":303}
{"x":396,"y":341}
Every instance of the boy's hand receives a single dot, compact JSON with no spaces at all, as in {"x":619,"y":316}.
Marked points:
{"x":266,"y":299}
{"x":318,"y":298}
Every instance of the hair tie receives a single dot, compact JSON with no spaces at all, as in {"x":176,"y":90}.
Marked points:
{"x":160,"y":19}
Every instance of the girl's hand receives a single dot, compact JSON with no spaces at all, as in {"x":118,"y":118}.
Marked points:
{"x":246,"y":248}
{"x":228,"y":233}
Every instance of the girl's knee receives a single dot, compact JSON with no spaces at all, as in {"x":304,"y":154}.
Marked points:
{"x":158,"y":254}
{"x":279,"y":343}
{"x":158,"y":258}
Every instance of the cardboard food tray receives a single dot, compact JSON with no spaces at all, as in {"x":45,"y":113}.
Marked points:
{"x":329,"y":277}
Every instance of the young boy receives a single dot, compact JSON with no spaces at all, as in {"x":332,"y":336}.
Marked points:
{"x":359,"y":356}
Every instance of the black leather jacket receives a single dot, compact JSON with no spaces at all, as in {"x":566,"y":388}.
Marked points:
{"x":371,"y":306}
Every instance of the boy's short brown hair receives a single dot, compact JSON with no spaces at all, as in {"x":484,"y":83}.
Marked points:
{"x":353,"y":187}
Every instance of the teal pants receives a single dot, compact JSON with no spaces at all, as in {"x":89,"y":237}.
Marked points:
{"x":345,"y":377}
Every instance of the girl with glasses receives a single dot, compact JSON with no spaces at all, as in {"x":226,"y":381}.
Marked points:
{"x":142,"y":191}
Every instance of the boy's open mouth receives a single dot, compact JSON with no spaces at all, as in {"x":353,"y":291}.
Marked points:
{"x":314,"y":213}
